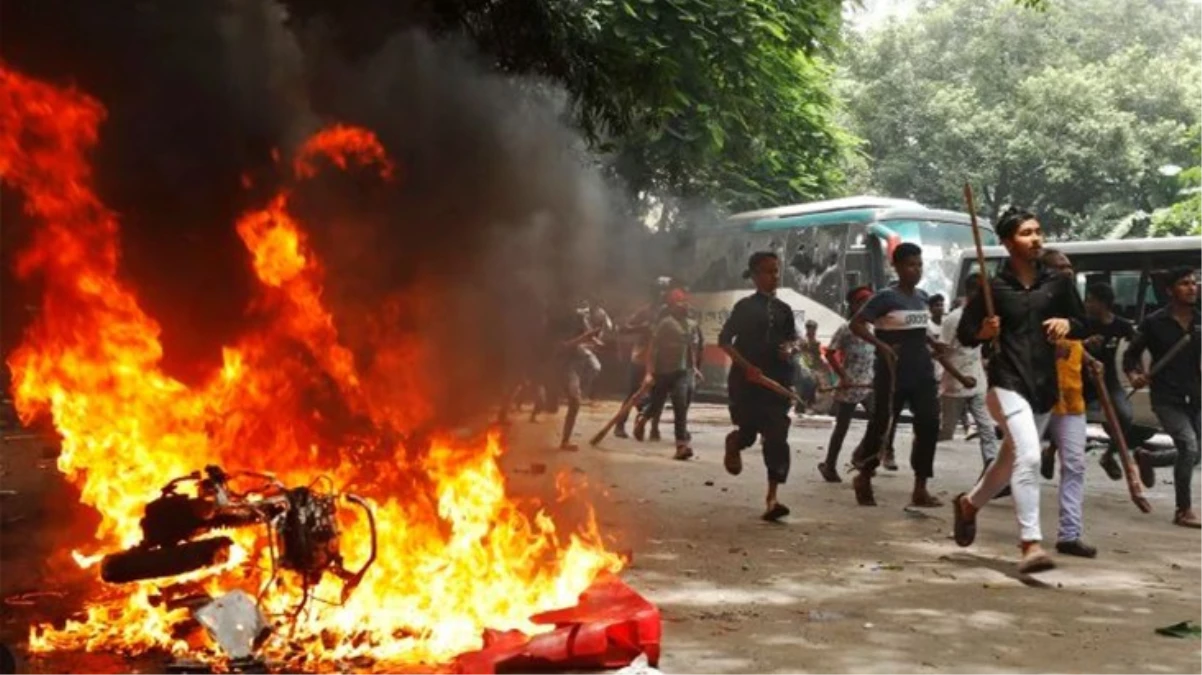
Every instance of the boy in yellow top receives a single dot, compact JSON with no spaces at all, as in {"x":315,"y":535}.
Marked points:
{"x":1067,"y":430}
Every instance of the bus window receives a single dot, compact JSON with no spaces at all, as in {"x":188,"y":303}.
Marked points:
{"x":943,"y":244}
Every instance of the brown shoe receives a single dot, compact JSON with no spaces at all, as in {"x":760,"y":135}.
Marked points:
{"x":683,"y":452}
{"x":1187,"y":518}
{"x":862,"y":484}
{"x":1035,"y":559}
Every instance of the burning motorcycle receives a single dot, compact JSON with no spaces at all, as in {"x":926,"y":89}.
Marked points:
{"x":178,"y":530}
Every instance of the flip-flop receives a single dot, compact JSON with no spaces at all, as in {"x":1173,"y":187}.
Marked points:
{"x":775,"y":513}
{"x":965,"y":528}
{"x":733,"y":460}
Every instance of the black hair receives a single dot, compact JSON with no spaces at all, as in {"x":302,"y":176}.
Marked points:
{"x":756,"y":258}
{"x":905,"y":250}
{"x":938,"y":297}
{"x":1102,"y":292}
{"x":1176,"y":274}
{"x":1008,"y":222}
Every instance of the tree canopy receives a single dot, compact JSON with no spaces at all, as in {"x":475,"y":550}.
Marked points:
{"x":1073,"y":111}
{"x":730,"y":101}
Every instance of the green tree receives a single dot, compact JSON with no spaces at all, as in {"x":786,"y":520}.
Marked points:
{"x":1070,"y":111}
{"x":724,"y":100}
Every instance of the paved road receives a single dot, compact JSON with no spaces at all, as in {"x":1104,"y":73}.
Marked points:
{"x":835,"y":588}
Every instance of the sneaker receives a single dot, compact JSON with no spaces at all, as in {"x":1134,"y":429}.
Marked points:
{"x":887,"y":461}
{"x":1111,"y":466}
{"x":1076,"y":547}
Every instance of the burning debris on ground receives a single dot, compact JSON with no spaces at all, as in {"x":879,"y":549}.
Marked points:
{"x":430,"y":554}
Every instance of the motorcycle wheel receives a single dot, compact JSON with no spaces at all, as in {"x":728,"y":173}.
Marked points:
{"x":168,"y":561}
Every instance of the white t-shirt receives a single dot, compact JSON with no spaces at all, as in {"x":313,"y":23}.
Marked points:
{"x":966,"y":360}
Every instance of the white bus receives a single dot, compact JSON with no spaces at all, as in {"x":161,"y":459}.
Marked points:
{"x":826,"y":248}
{"x":1129,"y":266}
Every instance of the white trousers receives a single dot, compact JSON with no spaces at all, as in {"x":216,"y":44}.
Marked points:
{"x":1068,"y":431}
{"x":1017,"y":462}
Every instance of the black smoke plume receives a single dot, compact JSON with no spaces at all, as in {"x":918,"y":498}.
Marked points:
{"x":498,"y":208}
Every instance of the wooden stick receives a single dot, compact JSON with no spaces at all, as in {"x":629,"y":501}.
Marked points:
{"x":624,"y":410}
{"x":1129,"y":469}
{"x":769,"y":383}
{"x":976,"y":237}
{"x":1164,"y":360}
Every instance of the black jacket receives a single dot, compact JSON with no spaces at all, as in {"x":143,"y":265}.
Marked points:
{"x":758,"y":325}
{"x":1178,"y":381}
{"x":1025,"y":361}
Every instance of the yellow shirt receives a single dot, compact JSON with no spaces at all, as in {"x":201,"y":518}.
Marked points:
{"x":1068,"y":374}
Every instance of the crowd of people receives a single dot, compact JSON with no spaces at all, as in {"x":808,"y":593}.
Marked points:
{"x":1019,"y":362}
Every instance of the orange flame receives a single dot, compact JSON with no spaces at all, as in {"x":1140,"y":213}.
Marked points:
{"x":456,"y":553}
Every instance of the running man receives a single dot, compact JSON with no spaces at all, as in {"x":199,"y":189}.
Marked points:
{"x":904,"y":375}
{"x":760,"y":336}
{"x":1034,"y":308}
{"x":1170,"y":335}
{"x":851,"y":358}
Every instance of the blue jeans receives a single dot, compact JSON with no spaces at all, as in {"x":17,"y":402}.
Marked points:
{"x":1181,"y":422}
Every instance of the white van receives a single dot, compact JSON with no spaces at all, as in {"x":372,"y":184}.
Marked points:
{"x":1128,"y":265}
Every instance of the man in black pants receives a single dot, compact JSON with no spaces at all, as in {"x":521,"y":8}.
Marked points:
{"x":760,"y":337}
{"x":1177,"y":385}
{"x":904,"y":374}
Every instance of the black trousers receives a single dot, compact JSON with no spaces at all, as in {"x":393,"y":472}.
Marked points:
{"x":923,"y":400}
{"x":756,"y":411}
{"x":674,"y":385}
{"x":843,"y":414}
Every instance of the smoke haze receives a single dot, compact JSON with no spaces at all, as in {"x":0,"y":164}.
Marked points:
{"x":496,"y":209}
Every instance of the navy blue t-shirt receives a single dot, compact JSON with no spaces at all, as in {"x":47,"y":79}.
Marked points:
{"x":901,"y":321}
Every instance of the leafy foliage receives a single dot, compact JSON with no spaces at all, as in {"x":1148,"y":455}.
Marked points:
{"x":726,"y":100}
{"x":1070,"y":111}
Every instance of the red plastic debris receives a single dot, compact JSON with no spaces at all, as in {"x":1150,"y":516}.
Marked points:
{"x":608,"y":628}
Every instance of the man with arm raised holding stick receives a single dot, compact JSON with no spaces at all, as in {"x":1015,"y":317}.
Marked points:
{"x":1025,"y":309}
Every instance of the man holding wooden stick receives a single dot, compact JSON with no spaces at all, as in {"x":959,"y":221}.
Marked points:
{"x":1024,"y":309}
{"x":1171,"y":336}
{"x":761,"y":337}
{"x":896,"y":320}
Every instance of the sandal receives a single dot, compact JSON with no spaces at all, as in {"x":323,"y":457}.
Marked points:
{"x":828,"y":473}
{"x":965,"y":528}
{"x":1035,"y":559}
{"x":925,"y":500}
{"x":775,"y":513}
{"x":733,"y":460}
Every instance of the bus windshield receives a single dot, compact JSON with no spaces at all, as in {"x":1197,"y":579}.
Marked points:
{"x":942,"y":244}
